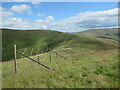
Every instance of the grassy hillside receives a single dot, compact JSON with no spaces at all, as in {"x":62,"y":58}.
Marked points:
{"x":37,"y":39}
{"x":41,"y":39}
{"x":91,"y":62}
{"x":82,"y":69}
{"x":110,"y":33}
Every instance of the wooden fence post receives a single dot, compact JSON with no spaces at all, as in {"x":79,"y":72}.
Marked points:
{"x":31,"y":52}
{"x":49,"y":53}
{"x":60,"y":51}
{"x":15,"y":57}
{"x":42,"y":50}
{"x":38,"y":59}
{"x":56,"y":56}
{"x":38,"y":51}
{"x":23,"y":53}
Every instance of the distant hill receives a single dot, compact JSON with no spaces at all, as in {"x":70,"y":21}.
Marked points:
{"x":109,"y":33}
{"x":31,"y":39}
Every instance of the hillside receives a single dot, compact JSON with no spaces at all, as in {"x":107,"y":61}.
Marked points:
{"x":97,"y":69}
{"x":109,"y":33}
{"x":37,"y":39}
{"x":41,"y":39}
{"x":89,"y":63}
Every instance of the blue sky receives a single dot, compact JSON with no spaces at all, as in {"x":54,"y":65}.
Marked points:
{"x":61,"y":16}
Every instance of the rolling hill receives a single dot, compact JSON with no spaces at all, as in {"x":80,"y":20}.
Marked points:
{"x":91,"y":62}
{"x":41,"y":39}
{"x":109,"y":33}
{"x":37,"y":39}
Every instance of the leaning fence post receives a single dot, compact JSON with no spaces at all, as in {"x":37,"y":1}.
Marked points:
{"x":15,"y":57}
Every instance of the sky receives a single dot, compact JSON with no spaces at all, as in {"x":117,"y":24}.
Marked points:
{"x":59,"y":16}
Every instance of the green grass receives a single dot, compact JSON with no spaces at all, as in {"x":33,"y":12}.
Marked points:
{"x":91,"y":63}
{"x":81,"y":70}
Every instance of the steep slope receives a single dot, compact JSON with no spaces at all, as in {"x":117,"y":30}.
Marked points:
{"x":109,"y":33}
{"x":29,"y":39}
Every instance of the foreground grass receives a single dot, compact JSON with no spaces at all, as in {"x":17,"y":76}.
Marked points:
{"x":90,"y":69}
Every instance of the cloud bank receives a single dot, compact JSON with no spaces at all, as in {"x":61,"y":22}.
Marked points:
{"x":79,"y":22}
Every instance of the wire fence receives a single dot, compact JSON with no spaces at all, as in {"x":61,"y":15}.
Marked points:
{"x":7,"y":53}
{"x":35,"y":54}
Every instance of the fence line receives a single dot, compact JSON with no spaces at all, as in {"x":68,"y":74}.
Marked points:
{"x":69,"y":50}
{"x":33,"y":60}
{"x":58,"y":54}
{"x":65,"y":51}
{"x":48,"y":50}
{"x":61,"y":54}
{"x":31,"y":52}
{"x":38,"y":51}
{"x":23,"y":53}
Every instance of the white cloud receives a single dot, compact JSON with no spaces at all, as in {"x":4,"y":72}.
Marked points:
{"x":41,"y":14}
{"x":44,"y":27}
{"x":19,"y":0}
{"x":16,"y":23}
{"x":4,"y":12}
{"x":1,"y":8}
{"x":79,"y":22}
{"x":89,"y":20}
{"x":21,"y":8}
{"x":49,"y":18}
{"x":35,"y":2}
{"x":39,"y":21}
